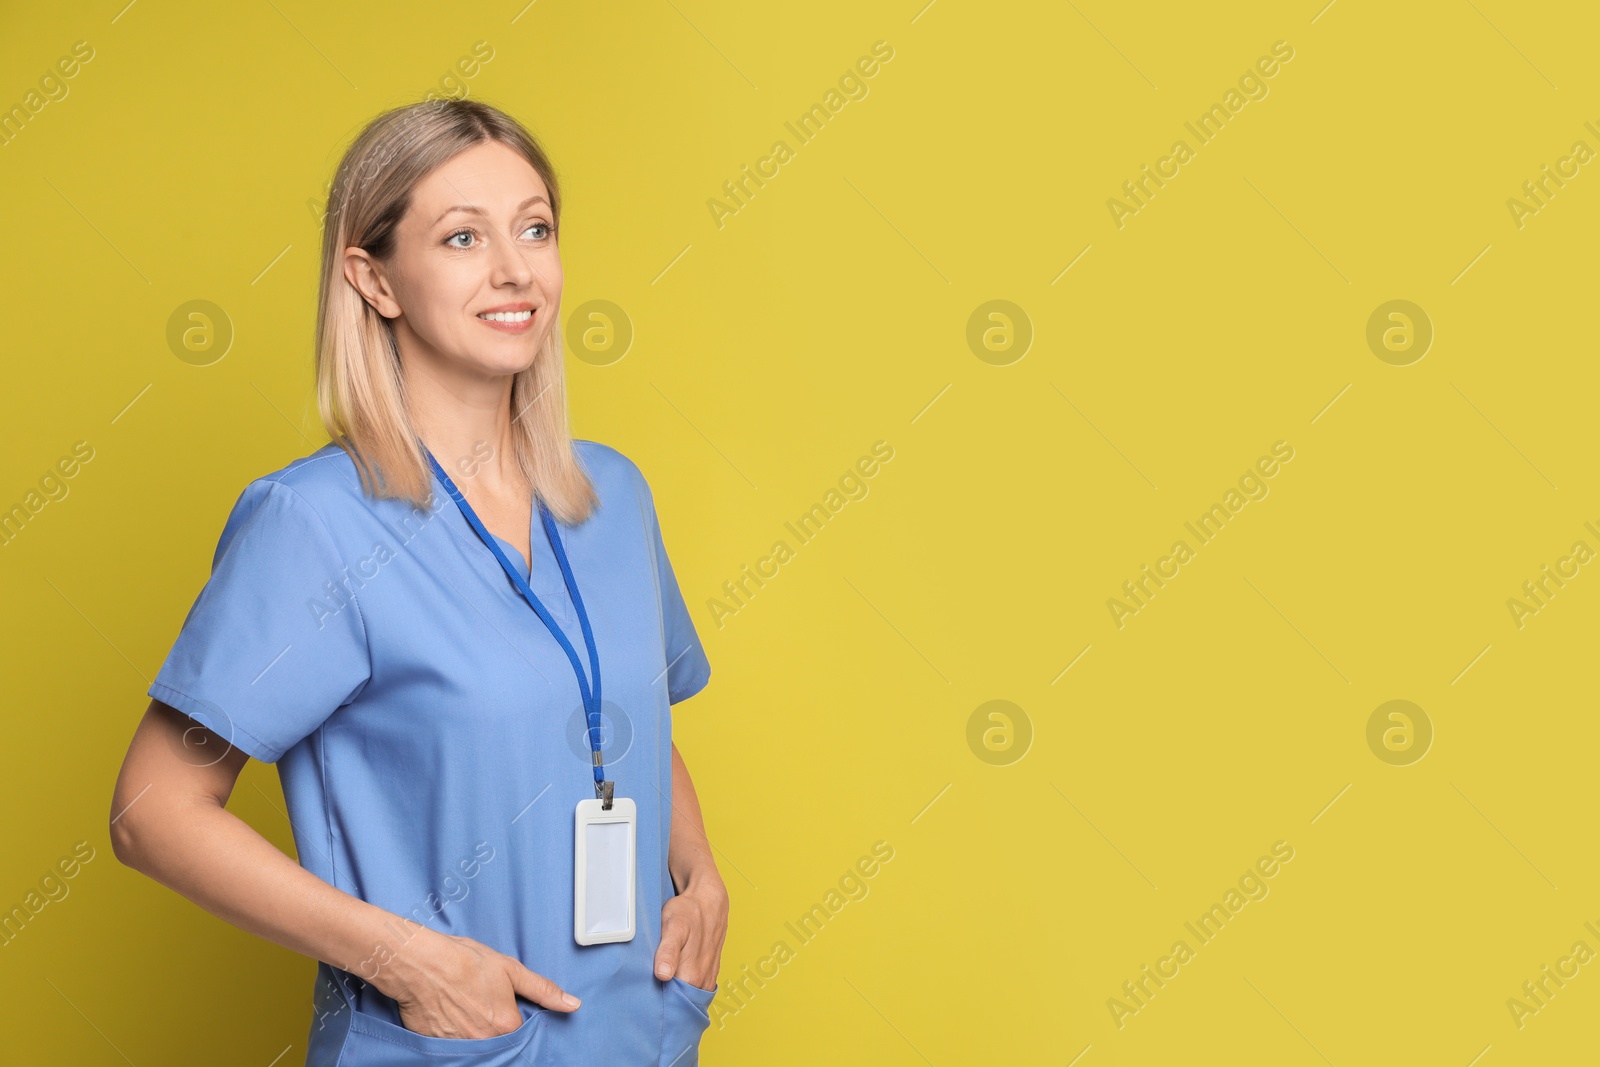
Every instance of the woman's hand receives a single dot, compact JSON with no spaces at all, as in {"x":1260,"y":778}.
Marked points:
{"x":461,"y":988}
{"x":693,"y":925}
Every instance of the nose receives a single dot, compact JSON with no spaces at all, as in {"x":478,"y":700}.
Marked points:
{"x":510,"y":265}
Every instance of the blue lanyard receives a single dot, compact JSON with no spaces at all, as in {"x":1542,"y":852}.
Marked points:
{"x":591,"y":700}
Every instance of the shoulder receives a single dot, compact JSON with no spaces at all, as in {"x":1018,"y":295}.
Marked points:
{"x":325,"y":481}
{"x":315,"y":496}
{"x":613,"y":473}
{"x":327,"y":484}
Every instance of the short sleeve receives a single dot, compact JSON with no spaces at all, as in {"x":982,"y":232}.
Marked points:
{"x":688,"y":670}
{"x":275,"y":642}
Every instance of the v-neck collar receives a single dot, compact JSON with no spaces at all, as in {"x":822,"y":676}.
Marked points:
{"x":514,"y":554}
{"x":535,"y":530}
{"x":554,"y":595}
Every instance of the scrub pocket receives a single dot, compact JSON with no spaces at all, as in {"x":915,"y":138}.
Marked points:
{"x":686,"y":1014}
{"x":375,"y":1042}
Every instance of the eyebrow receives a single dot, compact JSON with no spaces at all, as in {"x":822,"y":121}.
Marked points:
{"x":473,"y":210}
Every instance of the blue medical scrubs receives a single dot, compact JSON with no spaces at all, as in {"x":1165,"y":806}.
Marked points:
{"x":430,"y":736}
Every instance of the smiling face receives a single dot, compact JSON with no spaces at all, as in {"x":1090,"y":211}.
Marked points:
{"x":475,"y":279}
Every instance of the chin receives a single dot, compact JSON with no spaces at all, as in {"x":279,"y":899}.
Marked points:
{"x":500,"y":369}
{"x":512,"y":364}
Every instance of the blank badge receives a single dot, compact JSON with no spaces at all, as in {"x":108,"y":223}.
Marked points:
{"x":603,"y":871}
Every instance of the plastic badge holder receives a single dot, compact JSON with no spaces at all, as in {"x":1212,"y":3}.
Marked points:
{"x":603,"y":871}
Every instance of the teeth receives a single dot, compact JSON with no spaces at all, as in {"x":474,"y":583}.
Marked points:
{"x":508,"y":316}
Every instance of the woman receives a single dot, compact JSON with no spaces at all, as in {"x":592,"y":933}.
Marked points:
{"x":370,"y":625}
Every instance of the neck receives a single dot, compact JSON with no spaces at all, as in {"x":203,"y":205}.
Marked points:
{"x":465,"y":420}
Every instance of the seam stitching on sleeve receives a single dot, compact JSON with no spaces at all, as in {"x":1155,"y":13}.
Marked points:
{"x":264,"y":745}
{"x":652,"y":533}
{"x":366,"y":639}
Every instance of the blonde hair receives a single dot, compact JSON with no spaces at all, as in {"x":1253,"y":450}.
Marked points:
{"x":360,"y":388}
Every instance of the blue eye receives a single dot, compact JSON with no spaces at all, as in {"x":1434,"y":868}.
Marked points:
{"x":470,"y":232}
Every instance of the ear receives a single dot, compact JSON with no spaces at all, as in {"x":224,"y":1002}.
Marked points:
{"x":367,"y":276}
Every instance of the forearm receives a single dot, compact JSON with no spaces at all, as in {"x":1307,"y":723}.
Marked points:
{"x":212,"y":857}
{"x":689,"y":851}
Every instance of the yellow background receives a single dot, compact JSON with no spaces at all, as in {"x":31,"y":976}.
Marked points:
{"x":769,"y":354}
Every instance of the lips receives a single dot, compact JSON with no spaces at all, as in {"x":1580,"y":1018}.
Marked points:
{"x":512,"y":319}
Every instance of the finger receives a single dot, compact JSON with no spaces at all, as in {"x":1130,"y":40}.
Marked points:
{"x":499,"y":1019}
{"x":700,"y":964}
{"x":541,"y":990}
{"x":674,"y":936}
